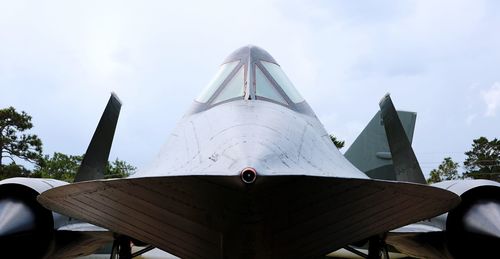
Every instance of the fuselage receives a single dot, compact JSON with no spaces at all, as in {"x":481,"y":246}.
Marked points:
{"x":250,"y":116}
{"x":272,"y":138}
{"x":301,"y":198}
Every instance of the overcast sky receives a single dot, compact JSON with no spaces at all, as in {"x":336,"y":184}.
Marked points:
{"x":59,"y":60}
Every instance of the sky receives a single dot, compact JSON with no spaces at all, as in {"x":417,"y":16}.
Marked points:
{"x":59,"y":61}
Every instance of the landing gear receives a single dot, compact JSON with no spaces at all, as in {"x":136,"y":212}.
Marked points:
{"x":122,"y":248}
{"x":377,"y":248}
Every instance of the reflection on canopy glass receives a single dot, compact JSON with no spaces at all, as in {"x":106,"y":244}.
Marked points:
{"x":216,"y":81}
{"x":283,"y":81}
{"x":264,"y":88}
{"x":270,"y":82}
{"x":234,"y":88}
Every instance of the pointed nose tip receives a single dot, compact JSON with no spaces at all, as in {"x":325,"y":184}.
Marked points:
{"x":15,"y":217}
{"x":248,"y":175}
{"x":483,"y":218}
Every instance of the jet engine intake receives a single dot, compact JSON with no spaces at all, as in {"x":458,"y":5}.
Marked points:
{"x":473,"y":227}
{"x":26,"y":228}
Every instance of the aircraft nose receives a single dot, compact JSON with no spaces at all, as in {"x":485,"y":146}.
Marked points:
{"x":484,"y":218}
{"x":16,"y":217}
{"x":248,"y":175}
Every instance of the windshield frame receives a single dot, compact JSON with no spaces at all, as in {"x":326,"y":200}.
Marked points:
{"x":223,"y":72}
{"x":250,"y":58}
{"x":249,"y":85}
{"x":285,"y":84}
{"x":274,"y":84}
{"x":210,"y":101}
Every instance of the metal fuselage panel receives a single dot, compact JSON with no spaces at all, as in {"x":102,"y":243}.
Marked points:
{"x":269,"y":137}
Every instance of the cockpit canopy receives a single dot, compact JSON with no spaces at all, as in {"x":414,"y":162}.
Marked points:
{"x":250,"y":73}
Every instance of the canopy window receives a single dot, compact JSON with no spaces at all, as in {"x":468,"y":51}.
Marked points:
{"x":234,"y":88}
{"x":266,"y":80}
{"x":264,"y":88}
{"x":221,"y":75}
{"x":282,"y":80}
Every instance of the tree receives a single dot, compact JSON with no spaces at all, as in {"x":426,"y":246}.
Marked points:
{"x":447,"y":170}
{"x":64,"y":167}
{"x":16,"y":144}
{"x":60,"y":166}
{"x":483,"y":160}
{"x":119,"y":169}
{"x":338,"y":143}
{"x":13,"y":170}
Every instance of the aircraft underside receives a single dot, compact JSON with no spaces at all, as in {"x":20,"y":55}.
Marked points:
{"x":222,"y":217}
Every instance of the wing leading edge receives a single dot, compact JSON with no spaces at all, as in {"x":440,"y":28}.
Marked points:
{"x":279,"y":216}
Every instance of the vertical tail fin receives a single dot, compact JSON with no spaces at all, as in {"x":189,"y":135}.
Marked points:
{"x":95,"y":159}
{"x":370,"y":152}
{"x":404,"y":160}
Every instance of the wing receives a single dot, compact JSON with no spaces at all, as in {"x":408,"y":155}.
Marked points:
{"x":420,"y":244}
{"x":74,"y":240}
{"x":280,"y":216}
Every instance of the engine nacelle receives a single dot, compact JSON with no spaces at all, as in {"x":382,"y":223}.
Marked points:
{"x":26,"y":228}
{"x":473,"y":227}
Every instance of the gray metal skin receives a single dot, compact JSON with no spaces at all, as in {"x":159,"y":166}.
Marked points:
{"x":273,"y":139}
{"x":223,"y":139}
{"x":370,"y":152}
{"x":307,"y":199}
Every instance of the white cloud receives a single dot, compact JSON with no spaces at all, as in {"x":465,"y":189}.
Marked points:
{"x":491,"y":98}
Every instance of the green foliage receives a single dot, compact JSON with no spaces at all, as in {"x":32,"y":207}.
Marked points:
{"x":447,"y":170}
{"x":64,"y":167}
{"x":338,"y":143}
{"x":13,"y":142}
{"x":59,"y":166}
{"x":119,"y":169}
{"x":483,"y":160}
{"x":16,"y":144}
{"x":13,"y":170}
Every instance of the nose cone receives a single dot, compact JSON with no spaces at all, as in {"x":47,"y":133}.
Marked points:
{"x":16,"y":217}
{"x":483,"y":218}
